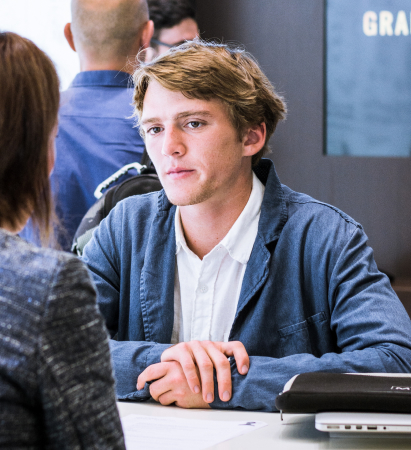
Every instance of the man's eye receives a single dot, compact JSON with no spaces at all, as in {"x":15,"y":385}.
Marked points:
{"x":194,"y":124}
{"x":154,"y":130}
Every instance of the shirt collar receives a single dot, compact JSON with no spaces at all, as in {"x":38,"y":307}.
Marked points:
{"x":113,"y":78}
{"x":180,"y":238}
{"x":239,"y":241}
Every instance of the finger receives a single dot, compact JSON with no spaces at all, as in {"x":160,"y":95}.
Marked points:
{"x":237,"y":349}
{"x":158,"y":388}
{"x":184,"y":355}
{"x":153,"y":372}
{"x":223,"y":370}
{"x":167,"y":398}
{"x":206,"y":369}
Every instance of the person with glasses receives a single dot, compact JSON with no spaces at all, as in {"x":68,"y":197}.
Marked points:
{"x":174,"y":23}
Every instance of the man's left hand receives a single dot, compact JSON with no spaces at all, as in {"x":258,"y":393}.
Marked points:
{"x":170,"y":386}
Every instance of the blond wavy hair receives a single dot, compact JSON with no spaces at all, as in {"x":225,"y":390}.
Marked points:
{"x":206,"y":70}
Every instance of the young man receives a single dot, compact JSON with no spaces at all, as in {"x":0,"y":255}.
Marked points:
{"x":226,"y":261}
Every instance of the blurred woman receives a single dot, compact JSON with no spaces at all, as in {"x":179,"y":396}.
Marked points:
{"x":56,"y":384}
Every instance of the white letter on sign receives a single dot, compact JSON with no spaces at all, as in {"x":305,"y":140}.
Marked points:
{"x":401,"y":27}
{"x":386,"y":20}
{"x":369,"y":23}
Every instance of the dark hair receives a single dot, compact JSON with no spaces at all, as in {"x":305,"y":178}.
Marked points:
{"x":206,"y":70}
{"x":29,"y":102}
{"x":169,"y":13}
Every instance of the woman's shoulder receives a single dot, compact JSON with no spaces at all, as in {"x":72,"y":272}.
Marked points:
{"x":26,"y":268}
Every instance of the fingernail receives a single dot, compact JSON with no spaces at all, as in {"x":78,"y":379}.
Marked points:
{"x":226,"y":396}
{"x":244,"y":369}
{"x":209,"y":397}
{"x":196,"y":389}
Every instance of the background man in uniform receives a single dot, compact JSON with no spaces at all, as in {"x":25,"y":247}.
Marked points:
{"x":96,"y":136}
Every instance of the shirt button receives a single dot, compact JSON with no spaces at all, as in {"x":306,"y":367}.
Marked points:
{"x":203,"y":289}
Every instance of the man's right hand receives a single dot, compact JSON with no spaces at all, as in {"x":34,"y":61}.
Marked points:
{"x":206,"y":356}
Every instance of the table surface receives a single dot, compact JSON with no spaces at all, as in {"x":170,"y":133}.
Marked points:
{"x":295,"y":432}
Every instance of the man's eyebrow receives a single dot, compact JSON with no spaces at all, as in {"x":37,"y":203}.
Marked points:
{"x":203,"y":113}
{"x":152,"y":120}
{"x":183,"y":114}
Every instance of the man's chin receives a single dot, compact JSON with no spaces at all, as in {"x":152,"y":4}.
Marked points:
{"x":180,"y":202}
{"x":187,"y":200}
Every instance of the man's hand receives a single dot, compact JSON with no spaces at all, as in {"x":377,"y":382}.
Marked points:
{"x":199,"y":358}
{"x":170,"y":385}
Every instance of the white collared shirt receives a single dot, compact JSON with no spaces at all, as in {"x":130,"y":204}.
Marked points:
{"x":206,"y":292}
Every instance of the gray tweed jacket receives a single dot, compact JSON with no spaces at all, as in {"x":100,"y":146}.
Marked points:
{"x":56,"y":383}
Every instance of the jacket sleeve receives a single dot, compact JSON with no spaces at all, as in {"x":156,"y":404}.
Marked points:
{"x":75,"y":374}
{"x":371,"y":326}
{"x":129,"y":357}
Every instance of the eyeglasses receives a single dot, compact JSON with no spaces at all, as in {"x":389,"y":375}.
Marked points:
{"x":157,"y":42}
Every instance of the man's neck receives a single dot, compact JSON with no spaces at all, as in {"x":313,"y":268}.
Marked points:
{"x":123,"y":66}
{"x":206,"y":224}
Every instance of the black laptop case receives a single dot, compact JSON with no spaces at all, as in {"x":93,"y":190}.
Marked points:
{"x":326,"y":392}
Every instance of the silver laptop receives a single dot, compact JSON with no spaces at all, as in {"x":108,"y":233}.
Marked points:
{"x":340,"y":424}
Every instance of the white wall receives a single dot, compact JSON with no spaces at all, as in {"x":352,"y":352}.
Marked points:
{"x":43,"y":22}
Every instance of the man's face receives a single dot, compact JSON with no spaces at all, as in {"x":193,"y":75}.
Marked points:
{"x":186,"y":30}
{"x":194,"y":147}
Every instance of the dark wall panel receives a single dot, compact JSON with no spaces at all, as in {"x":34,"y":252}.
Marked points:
{"x":286,"y":37}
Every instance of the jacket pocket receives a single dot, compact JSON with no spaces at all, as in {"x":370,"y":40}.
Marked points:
{"x":296,"y":338}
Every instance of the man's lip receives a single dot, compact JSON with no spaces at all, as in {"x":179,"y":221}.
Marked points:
{"x":178,"y":170}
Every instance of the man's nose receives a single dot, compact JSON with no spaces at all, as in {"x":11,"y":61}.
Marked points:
{"x":173,"y":144}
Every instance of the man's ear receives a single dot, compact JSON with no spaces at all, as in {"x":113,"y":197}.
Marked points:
{"x":69,"y":36}
{"x":254,"y":139}
{"x":146,"y":34}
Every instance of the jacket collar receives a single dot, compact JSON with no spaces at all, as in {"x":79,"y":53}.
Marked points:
{"x":272,"y":220}
{"x":273,"y":209}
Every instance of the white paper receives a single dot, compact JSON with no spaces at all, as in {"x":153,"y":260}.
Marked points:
{"x":159,"y":433}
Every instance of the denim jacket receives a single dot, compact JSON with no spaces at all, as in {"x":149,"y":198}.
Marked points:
{"x":312,"y":298}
